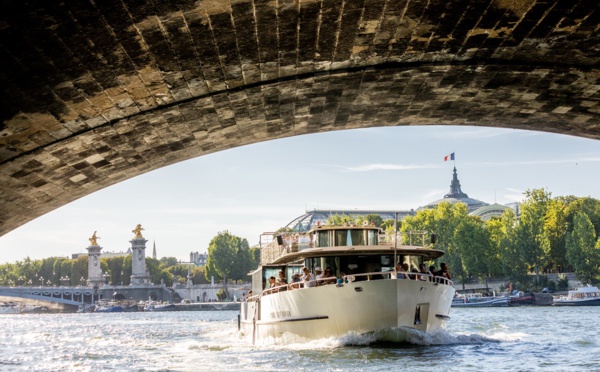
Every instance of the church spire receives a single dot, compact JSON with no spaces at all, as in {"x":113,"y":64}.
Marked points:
{"x":455,"y":191}
{"x":154,"y":251}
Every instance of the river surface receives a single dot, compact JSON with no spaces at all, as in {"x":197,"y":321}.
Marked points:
{"x":509,"y":339}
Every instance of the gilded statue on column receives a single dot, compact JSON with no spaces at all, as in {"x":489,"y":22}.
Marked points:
{"x":138,"y":231}
{"x":93,"y":239}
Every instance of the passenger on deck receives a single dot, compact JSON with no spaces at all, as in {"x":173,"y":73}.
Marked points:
{"x":319,"y":275}
{"x":444,"y":271}
{"x":415,"y":275}
{"x":423,"y":271}
{"x":281,"y":279}
{"x":308,"y":278}
{"x":401,"y":271}
{"x":432,"y":272}
{"x":328,"y":275}
{"x":272,"y":283}
{"x":296,"y":279}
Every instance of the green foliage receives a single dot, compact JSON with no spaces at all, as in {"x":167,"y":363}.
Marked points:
{"x":168,"y":262}
{"x":375,"y":219}
{"x":583,"y":250}
{"x":530,"y":231}
{"x":198,"y":276}
{"x":563,"y":283}
{"x":221,"y":294}
{"x":228,"y":257}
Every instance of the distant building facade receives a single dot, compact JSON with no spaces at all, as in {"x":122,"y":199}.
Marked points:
{"x":198,"y":259}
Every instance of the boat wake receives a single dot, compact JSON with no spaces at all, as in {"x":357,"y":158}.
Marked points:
{"x":387,"y":338}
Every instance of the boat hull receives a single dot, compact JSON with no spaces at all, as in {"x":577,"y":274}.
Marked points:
{"x":484,"y":302}
{"x":590,"y":302}
{"x":386,"y":308}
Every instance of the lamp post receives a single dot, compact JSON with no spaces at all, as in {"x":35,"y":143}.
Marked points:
{"x":41,"y":281}
{"x":81,"y":281}
{"x":10,"y":282}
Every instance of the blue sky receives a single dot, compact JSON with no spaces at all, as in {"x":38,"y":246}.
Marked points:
{"x":261,"y":187}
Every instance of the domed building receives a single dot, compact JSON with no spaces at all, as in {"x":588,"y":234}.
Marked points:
{"x":489,"y":211}
{"x":310,"y":219}
{"x":457,"y":196}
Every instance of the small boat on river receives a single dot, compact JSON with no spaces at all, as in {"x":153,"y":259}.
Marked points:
{"x":9,"y":308}
{"x":108,"y":307}
{"x":157,"y":306}
{"x":583,"y":296}
{"x":479,"y":300}
{"x":361,"y":290}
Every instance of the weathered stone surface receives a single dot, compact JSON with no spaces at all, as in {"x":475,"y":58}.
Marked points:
{"x":92,"y":93}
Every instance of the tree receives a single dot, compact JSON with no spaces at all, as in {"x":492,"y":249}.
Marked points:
{"x":530,"y":231}
{"x":555,"y":229}
{"x":198,"y":276}
{"x":583,"y":249}
{"x":472,"y":243}
{"x":442,"y":221}
{"x":228,"y":257}
{"x":168,"y":262}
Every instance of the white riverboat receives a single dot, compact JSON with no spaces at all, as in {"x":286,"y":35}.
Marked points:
{"x":583,"y":296}
{"x":479,"y":300}
{"x":362,"y":293}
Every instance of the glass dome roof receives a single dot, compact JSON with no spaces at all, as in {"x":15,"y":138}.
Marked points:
{"x":310,"y":219}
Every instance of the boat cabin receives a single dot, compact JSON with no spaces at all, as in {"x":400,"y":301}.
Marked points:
{"x":343,"y":253}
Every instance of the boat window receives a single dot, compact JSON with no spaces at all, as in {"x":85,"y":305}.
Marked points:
{"x":372,"y":236}
{"x":341,"y":238}
{"x":357,"y":237}
{"x":323,"y":239}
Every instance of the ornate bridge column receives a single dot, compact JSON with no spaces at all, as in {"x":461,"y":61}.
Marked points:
{"x":139,"y":275}
{"x":94,"y":271}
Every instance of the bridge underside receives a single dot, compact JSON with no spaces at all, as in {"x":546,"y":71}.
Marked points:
{"x":93,"y":93}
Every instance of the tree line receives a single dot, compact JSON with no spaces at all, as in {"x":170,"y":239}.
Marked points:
{"x":229,"y":257}
{"x":549,"y":235}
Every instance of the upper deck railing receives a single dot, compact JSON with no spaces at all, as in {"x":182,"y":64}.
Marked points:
{"x":400,"y":275}
{"x":275,"y":245}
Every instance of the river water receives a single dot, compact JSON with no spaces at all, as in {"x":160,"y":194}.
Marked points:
{"x":511,"y":339}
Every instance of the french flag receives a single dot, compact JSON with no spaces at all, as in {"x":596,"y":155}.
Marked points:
{"x":449,"y":157}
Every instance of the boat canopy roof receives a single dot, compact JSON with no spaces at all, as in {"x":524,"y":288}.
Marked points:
{"x":347,"y":240}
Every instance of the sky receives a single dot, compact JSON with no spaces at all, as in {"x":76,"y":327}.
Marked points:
{"x":261,"y":187}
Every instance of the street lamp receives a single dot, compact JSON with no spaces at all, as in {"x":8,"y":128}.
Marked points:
{"x":41,"y":281}
{"x":29,"y":283}
{"x":10,"y":282}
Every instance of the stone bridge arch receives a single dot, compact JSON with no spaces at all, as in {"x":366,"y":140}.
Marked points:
{"x":93,"y":93}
